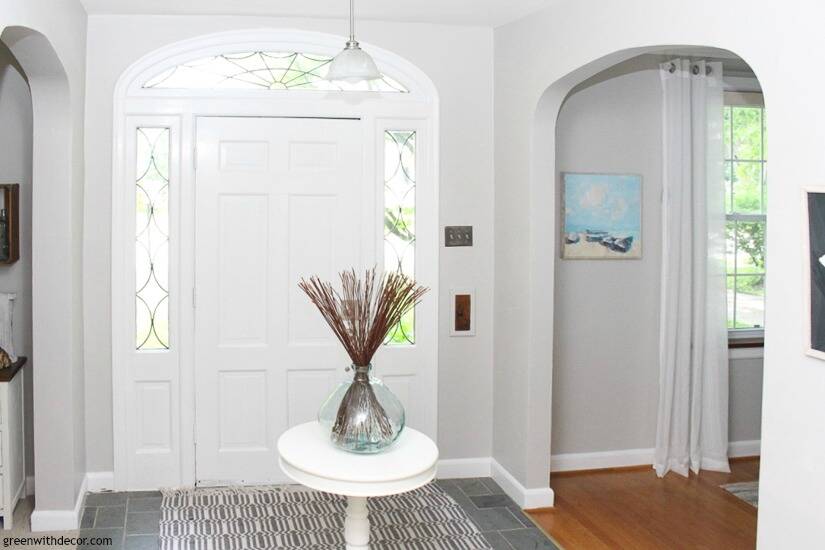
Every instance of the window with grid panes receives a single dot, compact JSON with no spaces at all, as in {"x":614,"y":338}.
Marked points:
{"x":746,"y":199}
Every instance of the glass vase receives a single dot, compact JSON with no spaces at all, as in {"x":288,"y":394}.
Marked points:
{"x":362,"y":416}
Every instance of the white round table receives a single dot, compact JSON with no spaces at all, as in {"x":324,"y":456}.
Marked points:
{"x":309,"y":457}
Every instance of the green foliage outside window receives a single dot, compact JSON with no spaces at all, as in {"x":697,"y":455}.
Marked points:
{"x":745,"y":196}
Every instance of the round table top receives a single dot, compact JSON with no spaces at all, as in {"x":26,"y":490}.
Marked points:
{"x":310,"y":458}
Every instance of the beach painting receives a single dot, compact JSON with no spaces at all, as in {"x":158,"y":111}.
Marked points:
{"x":602,"y":216}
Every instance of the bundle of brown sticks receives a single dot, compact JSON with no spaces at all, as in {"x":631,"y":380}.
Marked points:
{"x":365,"y":310}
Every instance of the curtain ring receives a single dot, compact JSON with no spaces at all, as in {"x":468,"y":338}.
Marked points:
{"x":695,"y":70}
{"x":672,"y":68}
{"x":708,"y":70}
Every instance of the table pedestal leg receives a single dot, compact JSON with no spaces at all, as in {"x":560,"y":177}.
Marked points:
{"x":357,"y":524}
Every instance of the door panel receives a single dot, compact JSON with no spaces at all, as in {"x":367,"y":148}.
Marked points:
{"x":311,"y":249}
{"x":277,"y":199}
{"x":242,"y":285}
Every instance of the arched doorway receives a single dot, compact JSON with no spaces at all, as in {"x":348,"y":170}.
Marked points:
{"x":545,"y":166}
{"x":59,"y":438}
{"x":611,"y":124}
{"x":195,"y":116}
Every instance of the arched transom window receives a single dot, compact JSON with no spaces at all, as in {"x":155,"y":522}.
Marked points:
{"x":267,"y":70}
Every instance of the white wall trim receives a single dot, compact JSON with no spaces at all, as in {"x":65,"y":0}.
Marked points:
{"x":745,"y":353}
{"x":19,"y":494}
{"x":571,"y":462}
{"x":132,"y":103}
{"x":745,"y":448}
{"x":100,"y":481}
{"x":452,"y":468}
{"x":526,"y":498}
{"x":60,"y":520}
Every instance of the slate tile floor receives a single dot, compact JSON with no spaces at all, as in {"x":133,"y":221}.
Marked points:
{"x":498,"y":518}
{"x":132,"y":520}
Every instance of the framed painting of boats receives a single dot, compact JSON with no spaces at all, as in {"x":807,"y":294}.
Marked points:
{"x":602,"y":216}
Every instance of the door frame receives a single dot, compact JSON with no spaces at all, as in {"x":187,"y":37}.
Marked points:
{"x":180,"y":110}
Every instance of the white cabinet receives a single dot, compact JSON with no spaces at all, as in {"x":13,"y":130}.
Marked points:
{"x":12,"y":454}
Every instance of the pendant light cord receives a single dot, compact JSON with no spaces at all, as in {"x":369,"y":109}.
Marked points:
{"x":352,"y":22}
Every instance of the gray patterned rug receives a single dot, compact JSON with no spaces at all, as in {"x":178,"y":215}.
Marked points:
{"x":747,"y":491}
{"x":289,"y":516}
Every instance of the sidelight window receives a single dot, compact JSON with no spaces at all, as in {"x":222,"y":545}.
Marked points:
{"x":152,"y":239}
{"x":399,"y":218}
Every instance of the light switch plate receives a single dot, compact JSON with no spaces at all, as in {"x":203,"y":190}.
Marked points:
{"x":458,"y":235}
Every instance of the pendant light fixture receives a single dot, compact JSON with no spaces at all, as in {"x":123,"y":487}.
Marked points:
{"x":353,"y":64}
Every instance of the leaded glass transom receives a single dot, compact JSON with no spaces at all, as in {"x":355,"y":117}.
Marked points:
{"x":399,"y":218}
{"x":152,"y":239}
{"x":263,"y":71}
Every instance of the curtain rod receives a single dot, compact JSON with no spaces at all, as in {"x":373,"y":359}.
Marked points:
{"x":694,"y":68}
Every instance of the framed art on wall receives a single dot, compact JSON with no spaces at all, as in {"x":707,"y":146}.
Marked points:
{"x":9,"y":223}
{"x":602,"y":216}
{"x":814,"y":216}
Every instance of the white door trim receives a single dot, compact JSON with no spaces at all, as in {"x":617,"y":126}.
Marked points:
{"x":180,"y":111}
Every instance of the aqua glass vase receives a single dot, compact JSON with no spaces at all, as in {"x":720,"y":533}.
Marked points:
{"x":362,"y":416}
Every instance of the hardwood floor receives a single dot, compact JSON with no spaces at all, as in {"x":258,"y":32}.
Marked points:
{"x":631,"y":508}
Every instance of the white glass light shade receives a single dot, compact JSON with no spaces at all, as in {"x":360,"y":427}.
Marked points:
{"x":353,"y":65}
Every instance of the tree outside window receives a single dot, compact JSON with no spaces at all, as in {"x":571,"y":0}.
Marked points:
{"x":745,"y":197}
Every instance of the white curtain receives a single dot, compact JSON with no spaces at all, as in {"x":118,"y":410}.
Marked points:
{"x":692,"y":428}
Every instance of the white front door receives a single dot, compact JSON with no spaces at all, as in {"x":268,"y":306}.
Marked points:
{"x":277,"y":199}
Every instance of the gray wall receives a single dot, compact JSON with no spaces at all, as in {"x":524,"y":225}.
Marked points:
{"x":16,"y":167}
{"x":745,"y":399}
{"x":605,"y":380}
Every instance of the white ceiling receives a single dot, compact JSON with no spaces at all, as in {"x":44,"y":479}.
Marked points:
{"x":488,"y":13}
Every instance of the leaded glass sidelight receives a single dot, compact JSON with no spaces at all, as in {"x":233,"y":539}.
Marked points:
{"x":152,"y":239}
{"x":399,"y":218}
{"x":259,"y":70}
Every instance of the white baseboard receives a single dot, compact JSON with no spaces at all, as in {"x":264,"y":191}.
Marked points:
{"x":19,"y":493}
{"x":95,"y":482}
{"x":745,"y":448}
{"x":452,"y":468}
{"x":746,"y":353}
{"x":100,"y":481}
{"x":524,"y":497}
{"x":632,"y":457}
{"x":60,"y":520}
{"x":604,"y":459}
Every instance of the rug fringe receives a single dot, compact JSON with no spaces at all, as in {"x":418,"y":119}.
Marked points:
{"x":235,"y":490}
